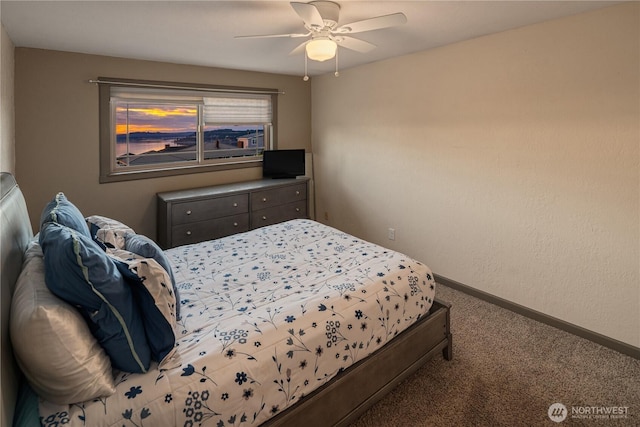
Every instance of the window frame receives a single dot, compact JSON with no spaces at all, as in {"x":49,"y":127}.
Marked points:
{"x":108,"y":172}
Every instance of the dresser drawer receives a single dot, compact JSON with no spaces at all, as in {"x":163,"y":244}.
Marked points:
{"x":280,"y":213}
{"x":200,"y":210}
{"x":194,"y":232}
{"x":278,"y":196}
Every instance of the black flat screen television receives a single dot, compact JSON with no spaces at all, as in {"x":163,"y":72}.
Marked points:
{"x":283,"y":163}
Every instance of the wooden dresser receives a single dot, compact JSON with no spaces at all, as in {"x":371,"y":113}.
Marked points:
{"x":195,"y":215}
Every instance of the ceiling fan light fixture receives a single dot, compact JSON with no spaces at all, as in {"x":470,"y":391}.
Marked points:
{"x":321,"y":49}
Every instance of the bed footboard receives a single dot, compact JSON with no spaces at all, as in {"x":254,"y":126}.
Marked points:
{"x":352,"y":392}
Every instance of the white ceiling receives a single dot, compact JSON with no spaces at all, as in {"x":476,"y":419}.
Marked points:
{"x":202,"y":32}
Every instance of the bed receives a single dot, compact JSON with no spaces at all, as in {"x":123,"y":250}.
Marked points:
{"x":292,"y":324}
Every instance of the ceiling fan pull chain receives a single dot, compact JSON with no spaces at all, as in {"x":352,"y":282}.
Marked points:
{"x":336,"y":73}
{"x":306,"y":76}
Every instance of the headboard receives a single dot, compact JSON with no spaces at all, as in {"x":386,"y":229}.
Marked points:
{"x":15,"y":233}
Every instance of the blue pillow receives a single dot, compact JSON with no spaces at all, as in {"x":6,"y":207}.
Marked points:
{"x":78,"y":271}
{"x":147,"y":248}
{"x":61,"y":211}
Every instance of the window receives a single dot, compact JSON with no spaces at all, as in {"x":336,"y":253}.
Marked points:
{"x":152,"y":129}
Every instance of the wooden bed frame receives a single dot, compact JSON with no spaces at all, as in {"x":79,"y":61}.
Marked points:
{"x":339,"y":402}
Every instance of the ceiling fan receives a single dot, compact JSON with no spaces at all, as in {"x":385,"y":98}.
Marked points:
{"x":325,"y":35}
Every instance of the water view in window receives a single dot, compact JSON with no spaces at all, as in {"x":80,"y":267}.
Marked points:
{"x":149,"y":134}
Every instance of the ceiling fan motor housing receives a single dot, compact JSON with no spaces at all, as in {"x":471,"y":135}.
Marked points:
{"x":329,"y":11}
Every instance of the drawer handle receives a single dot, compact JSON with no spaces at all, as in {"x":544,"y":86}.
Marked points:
{"x":235,"y":205}
{"x":297,"y":209}
{"x":297,"y":192}
{"x":189,"y":212}
{"x":264,"y":199}
{"x":264,"y":218}
{"x":188,"y":232}
{"x":235,"y":224}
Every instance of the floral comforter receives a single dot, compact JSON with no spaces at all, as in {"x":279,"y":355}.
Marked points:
{"x":267,"y":317}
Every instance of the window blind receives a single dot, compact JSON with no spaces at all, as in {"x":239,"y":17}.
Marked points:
{"x":251,"y":109}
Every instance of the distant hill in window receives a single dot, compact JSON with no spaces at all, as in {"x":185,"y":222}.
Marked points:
{"x":210,"y":134}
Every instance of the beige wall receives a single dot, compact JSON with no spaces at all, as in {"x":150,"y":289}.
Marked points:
{"x":509,"y":163}
{"x":7,"y":128}
{"x":57,"y":147}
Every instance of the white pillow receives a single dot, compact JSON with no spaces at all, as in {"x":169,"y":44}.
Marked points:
{"x":52,"y":343}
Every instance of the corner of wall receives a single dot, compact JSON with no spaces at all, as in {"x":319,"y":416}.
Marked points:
{"x":7,"y":121}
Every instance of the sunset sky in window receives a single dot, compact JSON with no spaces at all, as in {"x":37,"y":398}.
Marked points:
{"x":156,"y":118}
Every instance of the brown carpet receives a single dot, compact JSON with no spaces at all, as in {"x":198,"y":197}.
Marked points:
{"x":506,"y":371}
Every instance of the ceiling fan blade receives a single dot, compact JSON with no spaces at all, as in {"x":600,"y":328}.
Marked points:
{"x":267,"y":36}
{"x":355,"y":44}
{"x":299,"y":49}
{"x":371,"y":24}
{"x":309,"y":14}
